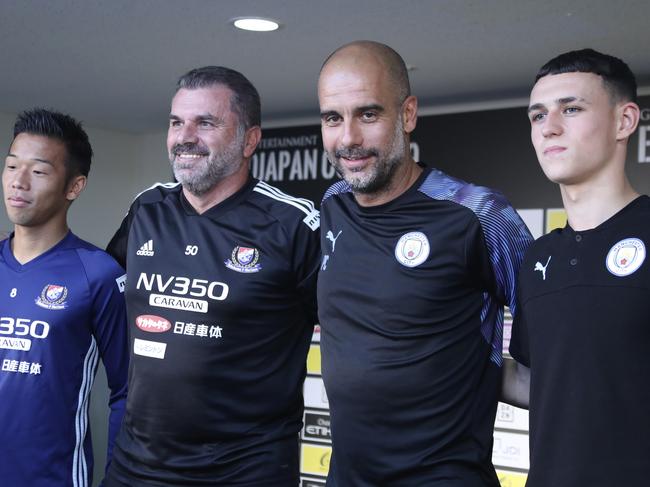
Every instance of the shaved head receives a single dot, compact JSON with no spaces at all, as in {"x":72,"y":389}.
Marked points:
{"x":362,"y":53}
{"x":367,"y":114}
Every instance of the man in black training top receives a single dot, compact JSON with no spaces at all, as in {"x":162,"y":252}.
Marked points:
{"x":221,"y":273}
{"x":583,"y":326}
{"x":416,"y":269}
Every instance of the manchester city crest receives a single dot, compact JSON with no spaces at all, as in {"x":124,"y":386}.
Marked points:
{"x":412,"y":249}
{"x":244,"y":259}
{"x":53,"y":296}
{"x":625,"y":257}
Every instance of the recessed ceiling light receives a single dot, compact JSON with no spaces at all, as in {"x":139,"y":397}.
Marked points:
{"x":257,"y":24}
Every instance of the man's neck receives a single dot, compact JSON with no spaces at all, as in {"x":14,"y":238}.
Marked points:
{"x":403,"y":179}
{"x":218,"y":193}
{"x":589,"y":205}
{"x":30,"y":242}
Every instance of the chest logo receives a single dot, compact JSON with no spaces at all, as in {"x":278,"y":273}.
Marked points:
{"x":146,"y":250}
{"x":625,"y":257}
{"x":330,"y":236}
{"x":542,"y":268}
{"x":412,"y":249}
{"x":244,"y":259}
{"x":53,"y":297}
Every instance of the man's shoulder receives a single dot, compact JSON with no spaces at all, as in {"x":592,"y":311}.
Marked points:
{"x":287,"y":209}
{"x":543,"y":246}
{"x":637,"y":211}
{"x":97,"y":264}
{"x":480,"y":199}
{"x":156,"y":193}
{"x":340,"y":187}
{"x":491,"y":208}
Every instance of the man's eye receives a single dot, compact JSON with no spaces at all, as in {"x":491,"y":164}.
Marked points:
{"x":330,"y":119}
{"x":570,"y":110}
{"x":368,"y":116}
{"x":536,"y":117}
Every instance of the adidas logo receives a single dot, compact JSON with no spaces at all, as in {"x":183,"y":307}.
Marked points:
{"x":146,"y":249}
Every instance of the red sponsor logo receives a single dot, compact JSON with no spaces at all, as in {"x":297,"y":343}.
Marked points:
{"x":152,"y":323}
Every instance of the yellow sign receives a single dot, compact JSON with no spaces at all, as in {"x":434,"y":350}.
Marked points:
{"x":555,"y":218}
{"x":313,"y":360}
{"x":511,"y":479}
{"x":315,"y":459}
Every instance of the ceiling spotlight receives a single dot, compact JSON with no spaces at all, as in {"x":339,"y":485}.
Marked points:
{"x":257,"y":24}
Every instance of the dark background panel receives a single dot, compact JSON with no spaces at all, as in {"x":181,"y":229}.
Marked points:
{"x":491,"y":148}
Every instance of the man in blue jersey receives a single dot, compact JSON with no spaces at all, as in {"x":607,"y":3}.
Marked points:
{"x":417,"y":267}
{"x":221,"y":304}
{"x":61,"y":310}
{"x":581,"y":337}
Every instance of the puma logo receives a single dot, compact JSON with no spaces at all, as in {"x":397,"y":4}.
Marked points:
{"x":330,"y":236}
{"x":542,"y":268}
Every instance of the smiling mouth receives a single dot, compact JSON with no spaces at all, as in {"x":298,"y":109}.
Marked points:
{"x":189,"y":151}
{"x":355,"y":159}
{"x":355,"y":164}
{"x":190,"y":156}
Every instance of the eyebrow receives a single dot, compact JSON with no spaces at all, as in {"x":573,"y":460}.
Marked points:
{"x":374,"y":106}
{"x":361,"y":109}
{"x":327,"y":113}
{"x":44,"y":161}
{"x":205,"y":116}
{"x":560,"y":101}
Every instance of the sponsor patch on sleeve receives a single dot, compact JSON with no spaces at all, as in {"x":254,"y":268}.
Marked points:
{"x":312,"y":220}
{"x":121,"y":283}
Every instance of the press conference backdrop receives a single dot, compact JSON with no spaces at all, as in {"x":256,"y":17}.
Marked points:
{"x":489,"y":148}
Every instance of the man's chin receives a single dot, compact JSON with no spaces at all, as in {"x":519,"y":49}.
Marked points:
{"x":197,"y":190}
{"x":362,"y":186}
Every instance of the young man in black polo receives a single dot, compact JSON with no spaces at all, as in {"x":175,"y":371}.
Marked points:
{"x":582,"y":327}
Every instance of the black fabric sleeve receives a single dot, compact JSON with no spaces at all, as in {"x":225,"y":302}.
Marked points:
{"x":519,"y":337}
{"x":306,"y":262}
{"x":118,"y":245}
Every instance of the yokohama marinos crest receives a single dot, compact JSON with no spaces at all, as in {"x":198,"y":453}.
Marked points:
{"x":244,"y":259}
{"x":53,"y":296}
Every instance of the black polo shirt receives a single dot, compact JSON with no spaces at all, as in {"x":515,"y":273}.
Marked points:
{"x":583,"y":328}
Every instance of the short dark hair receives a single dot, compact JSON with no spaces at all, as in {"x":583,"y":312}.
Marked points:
{"x":59,"y":126}
{"x":617,"y":77}
{"x":245,"y":101}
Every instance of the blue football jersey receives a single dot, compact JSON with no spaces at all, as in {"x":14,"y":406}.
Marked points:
{"x":59,"y":314}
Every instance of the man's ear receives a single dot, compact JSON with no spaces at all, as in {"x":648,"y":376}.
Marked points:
{"x":627,"y":120}
{"x":252,"y":137}
{"x":410,"y":114}
{"x":75,"y":187}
